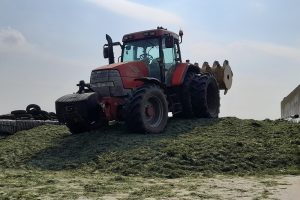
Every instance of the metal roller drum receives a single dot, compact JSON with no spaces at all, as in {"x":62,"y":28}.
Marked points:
{"x":223,"y":74}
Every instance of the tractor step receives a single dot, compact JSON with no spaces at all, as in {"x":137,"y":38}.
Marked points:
{"x":174,"y":103}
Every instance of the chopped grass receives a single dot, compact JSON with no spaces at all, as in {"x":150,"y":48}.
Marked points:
{"x":187,"y":147}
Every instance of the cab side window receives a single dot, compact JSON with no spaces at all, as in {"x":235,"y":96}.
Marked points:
{"x":169,"y":56}
{"x":177,"y":53}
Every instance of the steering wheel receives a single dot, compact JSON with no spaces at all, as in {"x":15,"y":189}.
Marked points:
{"x":146,"y":57}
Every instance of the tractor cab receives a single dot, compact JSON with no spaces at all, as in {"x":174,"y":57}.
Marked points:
{"x":158,"y":49}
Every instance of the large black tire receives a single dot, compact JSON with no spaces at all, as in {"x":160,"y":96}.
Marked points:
{"x":52,"y":115}
{"x":18,"y":112}
{"x":205,"y":96}
{"x":185,"y":97}
{"x":33,"y":109}
{"x":45,"y":115}
{"x":24,"y":116}
{"x":8,"y":116}
{"x":147,"y":110}
{"x":38,"y":117}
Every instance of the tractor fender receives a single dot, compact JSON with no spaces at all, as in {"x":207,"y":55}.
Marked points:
{"x":150,"y":80}
{"x":181,"y":71}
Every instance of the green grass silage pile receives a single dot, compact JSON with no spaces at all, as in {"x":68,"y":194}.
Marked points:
{"x":187,"y":147}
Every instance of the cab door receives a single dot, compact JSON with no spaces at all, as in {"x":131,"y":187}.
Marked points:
{"x":171,"y":56}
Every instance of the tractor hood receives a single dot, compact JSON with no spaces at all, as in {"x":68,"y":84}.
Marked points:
{"x":116,"y":78}
{"x":133,"y":69}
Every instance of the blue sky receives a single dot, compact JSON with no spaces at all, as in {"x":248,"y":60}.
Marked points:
{"x":46,"y":47}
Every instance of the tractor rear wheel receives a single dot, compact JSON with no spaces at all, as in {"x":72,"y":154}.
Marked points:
{"x":185,"y":97}
{"x":205,"y":96}
{"x":147,"y":110}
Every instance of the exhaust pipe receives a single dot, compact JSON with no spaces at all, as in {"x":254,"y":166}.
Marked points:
{"x":110,"y":50}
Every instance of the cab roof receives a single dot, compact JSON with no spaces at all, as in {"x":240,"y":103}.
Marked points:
{"x":159,"y":32}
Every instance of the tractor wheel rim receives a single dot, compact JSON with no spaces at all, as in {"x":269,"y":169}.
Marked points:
{"x":153,"y":111}
{"x":149,"y":110}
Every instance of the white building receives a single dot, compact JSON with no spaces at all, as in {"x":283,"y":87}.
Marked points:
{"x":290,"y":105}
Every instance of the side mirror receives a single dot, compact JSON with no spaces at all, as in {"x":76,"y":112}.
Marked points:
{"x":169,"y":42}
{"x":105,"y":52}
{"x":128,"y":48}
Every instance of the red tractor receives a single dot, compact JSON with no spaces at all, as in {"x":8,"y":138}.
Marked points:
{"x":149,"y":82}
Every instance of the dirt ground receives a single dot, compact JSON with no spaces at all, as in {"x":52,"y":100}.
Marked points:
{"x":19,"y":184}
{"x":292,"y":189}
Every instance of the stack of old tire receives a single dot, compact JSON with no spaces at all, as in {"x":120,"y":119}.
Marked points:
{"x":32,"y":112}
{"x":19,"y":120}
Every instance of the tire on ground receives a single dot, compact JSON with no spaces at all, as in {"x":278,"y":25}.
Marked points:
{"x":33,"y":109}
{"x":18,"y":112}
{"x":38,"y":117}
{"x":45,"y":115}
{"x":52,"y":115}
{"x":24,"y":116}
{"x":8,"y":116}
{"x":205,"y":96}
{"x":147,"y":110}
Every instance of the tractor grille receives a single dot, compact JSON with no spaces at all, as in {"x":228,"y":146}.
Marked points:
{"x":107,"y":83}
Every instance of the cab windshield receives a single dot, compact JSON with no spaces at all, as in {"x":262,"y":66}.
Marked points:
{"x":141,"y":50}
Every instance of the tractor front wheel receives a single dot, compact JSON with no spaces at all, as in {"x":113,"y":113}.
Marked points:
{"x":147,"y":110}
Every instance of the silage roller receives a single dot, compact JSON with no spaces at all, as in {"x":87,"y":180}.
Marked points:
{"x":223,"y":74}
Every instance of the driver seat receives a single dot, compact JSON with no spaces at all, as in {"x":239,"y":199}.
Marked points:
{"x":154,"y":70}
